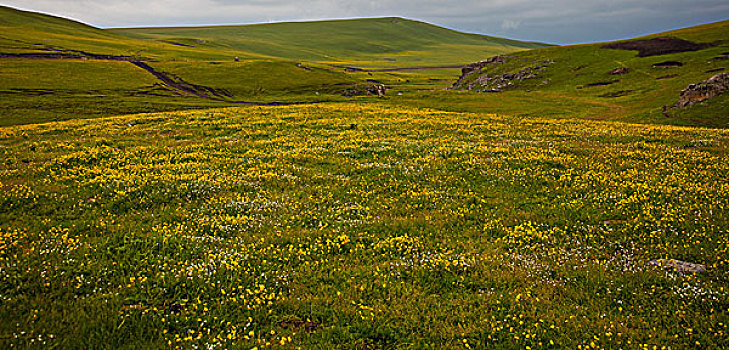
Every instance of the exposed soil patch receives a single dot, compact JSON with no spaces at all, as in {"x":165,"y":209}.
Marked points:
{"x":174,"y":84}
{"x":40,"y":55}
{"x":175,"y":43}
{"x":714,"y":70}
{"x":667,"y":64}
{"x":71,"y":54}
{"x":658,"y":46}
{"x":352,"y":69}
{"x":667,"y":76}
{"x":617,"y":93}
{"x":64,"y":56}
{"x":725,"y":57}
{"x":599,"y":83}
{"x":33,"y":92}
{"x":158,"y":90}
{"x":578,"y":68}
{"x":184,"y":87}
{"x":618,"y":71}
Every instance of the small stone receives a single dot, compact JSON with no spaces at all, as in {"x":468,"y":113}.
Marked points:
{"x":618,"y":71}
{"x":679,"y":266}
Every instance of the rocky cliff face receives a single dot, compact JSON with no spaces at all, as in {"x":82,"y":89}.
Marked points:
{"x":704,"y":90}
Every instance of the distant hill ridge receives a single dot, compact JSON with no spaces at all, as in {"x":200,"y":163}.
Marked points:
{"x":374,"y":42}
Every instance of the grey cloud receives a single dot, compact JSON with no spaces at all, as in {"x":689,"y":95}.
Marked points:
{"x":508,"y":24}
{"x":556,"y":21}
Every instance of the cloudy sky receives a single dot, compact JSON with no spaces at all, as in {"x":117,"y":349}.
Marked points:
{"x":554,"y":21}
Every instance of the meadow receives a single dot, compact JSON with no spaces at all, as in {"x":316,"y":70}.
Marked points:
{"x":361,"y":226}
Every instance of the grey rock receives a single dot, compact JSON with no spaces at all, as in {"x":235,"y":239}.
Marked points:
{"x":678,"y":265}
{"x":618,"y":71}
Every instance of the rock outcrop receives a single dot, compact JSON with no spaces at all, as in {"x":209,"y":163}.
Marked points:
{"x":473,"y":77}
{"x":707,"y":89}
{"x":472,"y":68}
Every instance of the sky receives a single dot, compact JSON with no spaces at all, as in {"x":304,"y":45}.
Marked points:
{"x":552,"y":21}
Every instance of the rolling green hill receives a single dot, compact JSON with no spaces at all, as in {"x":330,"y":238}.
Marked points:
{"x":377,"y":41}
{"x":603,"y":81}
{"x":24,"y":32}
{"x":362,"y":42}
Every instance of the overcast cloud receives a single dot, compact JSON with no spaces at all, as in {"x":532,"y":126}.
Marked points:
{"x":554,"y":21}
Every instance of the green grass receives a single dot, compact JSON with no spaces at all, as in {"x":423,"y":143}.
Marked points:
{"x":349,"y":226}
{"x":261,"y":79}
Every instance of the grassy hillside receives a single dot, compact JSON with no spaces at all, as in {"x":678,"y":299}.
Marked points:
{"x":359,"y":42}
{"x":580,"y":75}
{"x":351,"y":226}
{"x":30,"y":32}
{"x":24,"y":31}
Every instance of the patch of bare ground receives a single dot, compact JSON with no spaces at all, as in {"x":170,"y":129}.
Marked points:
{"x":599,"y":83}
{"x":667,"y":64}
{"x":658,"y":46}
{"x":667,"y":76}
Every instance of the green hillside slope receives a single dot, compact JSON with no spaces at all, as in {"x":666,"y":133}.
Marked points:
{"x":29,"y":32}
{"x":603,"y":81}
{"x":362,"y":42}
{"x":24,"y":31}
